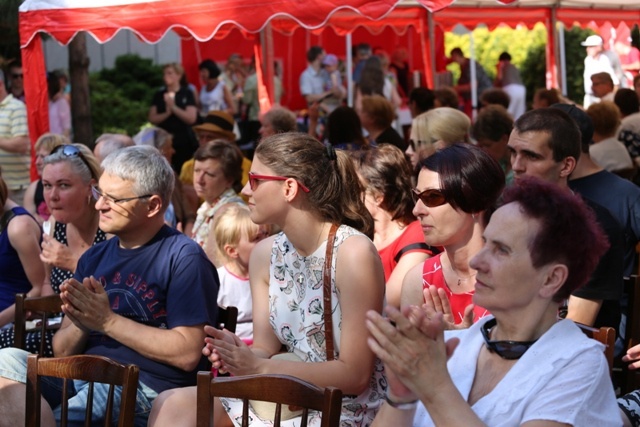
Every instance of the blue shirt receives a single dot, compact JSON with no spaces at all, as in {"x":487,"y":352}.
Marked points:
{"x":165,"y":283}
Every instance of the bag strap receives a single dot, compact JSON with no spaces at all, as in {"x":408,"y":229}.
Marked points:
{"x":5,"y":220}
{"x":414,"y":246}
{"x":326,"y":286}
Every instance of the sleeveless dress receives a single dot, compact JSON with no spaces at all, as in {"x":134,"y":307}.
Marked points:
{"x":58,"y":276}
{"x":13,"y":278}
{"x":296,"y":316}
{"x":432,"y":274}
{"x":212,"y":100}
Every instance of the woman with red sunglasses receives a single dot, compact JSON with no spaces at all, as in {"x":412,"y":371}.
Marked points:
{"x":456,"y":186}
{"x":310,"y":192}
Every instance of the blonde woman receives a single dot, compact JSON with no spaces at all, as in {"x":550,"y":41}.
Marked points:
{"x":436,"y":129}
{"x":34,"y":196}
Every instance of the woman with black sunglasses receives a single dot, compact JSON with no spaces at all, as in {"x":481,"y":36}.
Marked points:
{"x":521,"y":366}
{"x":456,"y":187}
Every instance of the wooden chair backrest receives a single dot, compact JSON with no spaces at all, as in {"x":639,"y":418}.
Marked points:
{"x":606,"y":336}
{"x":279,"y":389}
{"x":88,"y":368}
{"x":43,"y":308}
{"x":630,"y":379}
{"x":227,"y":318}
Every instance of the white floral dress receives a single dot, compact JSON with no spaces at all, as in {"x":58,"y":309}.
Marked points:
{"x":297,"y":318}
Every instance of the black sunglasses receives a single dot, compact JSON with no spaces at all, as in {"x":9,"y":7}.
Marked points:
{"x":16,"y":76}
{"x":510,"y":350}
{"x":73,"y":151}
{"x":431,"y":198}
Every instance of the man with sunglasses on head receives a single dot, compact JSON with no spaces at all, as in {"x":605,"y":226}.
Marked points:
{"x":141,"y":297}
{"x":14,"y":143}
{"x":545,"y":143}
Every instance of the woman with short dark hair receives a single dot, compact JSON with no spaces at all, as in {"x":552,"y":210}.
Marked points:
{"x":520,"y":366}
{"x":214,"y":94}
{"x":457,"y":189}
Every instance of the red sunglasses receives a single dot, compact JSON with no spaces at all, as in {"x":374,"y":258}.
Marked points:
{"x":254,"y":178}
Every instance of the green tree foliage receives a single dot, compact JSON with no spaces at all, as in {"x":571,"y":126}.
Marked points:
{"x":121,"y":96}
{"x":9,"y":41}
{"x":528,"y":52}
{"x":574,"y":54}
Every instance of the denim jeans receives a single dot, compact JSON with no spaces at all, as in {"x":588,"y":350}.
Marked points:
{"x":13,"y":366}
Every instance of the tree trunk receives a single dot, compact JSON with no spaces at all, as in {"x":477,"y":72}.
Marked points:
{"x":79,"y":78}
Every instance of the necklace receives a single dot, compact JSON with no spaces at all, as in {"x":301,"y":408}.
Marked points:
{"x":461,"y":279}
{"x":464,"y":279}
{"x":510,"y":350}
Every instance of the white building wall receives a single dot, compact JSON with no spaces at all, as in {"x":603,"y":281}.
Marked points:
{"x":104,"y":55}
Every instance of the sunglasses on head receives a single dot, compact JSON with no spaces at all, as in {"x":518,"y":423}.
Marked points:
{"x":73,"y":151}
{"x":430,"y":198}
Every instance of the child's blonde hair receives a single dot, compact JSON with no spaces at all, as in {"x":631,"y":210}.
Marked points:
{"x":231,"y":222}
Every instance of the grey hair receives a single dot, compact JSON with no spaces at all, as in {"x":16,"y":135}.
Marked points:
{"x":153,"y":136}
{"x":86,"y":169}
{"x":110,"y":142}
{"x":146,"y":168}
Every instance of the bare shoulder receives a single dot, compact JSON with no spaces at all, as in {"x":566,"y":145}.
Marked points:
{"x":263,"y":247}
{"x":358,"y":247}
{"x":22,"y":224}
{"x":260,"y":258}
{"x":412,"y":287}
{"x":359,"y":265}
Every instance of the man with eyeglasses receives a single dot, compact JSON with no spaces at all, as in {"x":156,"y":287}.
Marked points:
{"x":14,"y":143}
{"x":141,"y":297}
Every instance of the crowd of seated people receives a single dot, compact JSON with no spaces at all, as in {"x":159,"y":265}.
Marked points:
{"x":461,"y":253}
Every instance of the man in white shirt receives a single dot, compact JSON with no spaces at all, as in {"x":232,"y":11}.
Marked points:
{"x":595,"y":62}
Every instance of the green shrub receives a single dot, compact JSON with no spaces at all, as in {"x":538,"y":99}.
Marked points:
{"x":121,"y":96}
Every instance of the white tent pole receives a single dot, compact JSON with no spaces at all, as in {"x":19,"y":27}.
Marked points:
{"x":474,"y":82}
{"x":563,"y":60}
{"x":349,"y":71}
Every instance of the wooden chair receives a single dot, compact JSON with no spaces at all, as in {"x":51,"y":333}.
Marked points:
{"x":627,"y":173}
{"x":606,"y":336}
{"x":43,"y":308}
{"x":629,"y":380}
{"x":87,"y":368}
{"x":227,"y":318}
{"x":279,"y":389}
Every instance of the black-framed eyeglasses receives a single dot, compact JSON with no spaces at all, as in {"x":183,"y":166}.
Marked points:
{"x":430,"y":198}
{"x":510,"y":350}
{"x":16,"y":76}
{"x":69,"y":150}
{"x":254,"y":178}
{"x":97,"y":194}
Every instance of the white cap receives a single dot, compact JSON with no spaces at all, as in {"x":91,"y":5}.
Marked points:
{"x":593,"y":40}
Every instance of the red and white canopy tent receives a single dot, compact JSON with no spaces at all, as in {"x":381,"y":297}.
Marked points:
{"x":471,"y":13}
{"x":202,"y":19}
{"x":151,"y":19}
